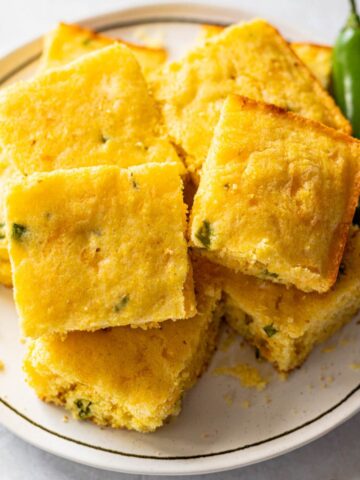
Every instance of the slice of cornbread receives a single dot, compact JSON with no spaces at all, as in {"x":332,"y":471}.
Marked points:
{"x":94,"y":111}
{"x":316,"y":57}
{"x":68,"y":42}
{"x":99,"y":247}
{"x":136,"y":378}
{"x":284,"y":323}
{"x":277,"y":195}
{"x":8,"y":174}
{"x":250,"y":59}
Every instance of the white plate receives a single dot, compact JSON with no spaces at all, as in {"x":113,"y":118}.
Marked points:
{"x":215,"y":430}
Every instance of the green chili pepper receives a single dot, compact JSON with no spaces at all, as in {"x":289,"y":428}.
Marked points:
{"x":346,"y":70}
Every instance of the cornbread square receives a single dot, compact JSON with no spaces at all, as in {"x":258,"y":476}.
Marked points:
{"x":316,"y":57}
{"x":99,"y":247}
{"x":250,"y":59}
{"x":68,"y":42}
{"x":277,"y":195}
{"x":136,"y":378}
{"x":284,"y":323}
{"x":93,"y":111}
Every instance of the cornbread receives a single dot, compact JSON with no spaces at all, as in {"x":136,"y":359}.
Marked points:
{"x":93,"y":111}
{"x":316,"y":57}
{"x":68,"y":42}
{"x":8,"y":174}
{"x":136,"y":378}
{"x":250,"y":59}
{"x":277,"y":195}
{"x":98,"y":247}
{"x":284,"y":323}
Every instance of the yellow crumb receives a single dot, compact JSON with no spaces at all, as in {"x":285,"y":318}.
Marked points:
{"x":328,"y":349}
{"x":268,"y":399}
{"x":228,"y":341}
{"x":283,"y":376}
{"x":2,"y":366}
{"x":245,"y":404}
{"x":355,"y":366}
{"x":65,"y":419}
{"x":248,"y":376}
{"x":344,"y":341}
{"x":229,"y":398}
{"x":326,"y":380}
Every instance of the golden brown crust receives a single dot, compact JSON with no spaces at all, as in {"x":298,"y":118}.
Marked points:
{"x":341,"y":233}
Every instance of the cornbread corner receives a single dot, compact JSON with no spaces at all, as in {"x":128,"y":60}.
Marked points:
{"x":93,"y":111}
{"x":285,"y":324}
{"x":277,"y":195}
{"x":250,"y":59}
{"x":99,"y":247}
{"x":68,"y":42}
{"x":316,"y":57}
{"x":136,"y":378}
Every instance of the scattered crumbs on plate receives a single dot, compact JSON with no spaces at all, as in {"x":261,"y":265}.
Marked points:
{"x":23,"y":340}
{"x":205,"y":435}
{"x":228,"y":340}
{"x":2,"y":366}
{"x":245,"y":404}
{"x":268,"y":399}
{"x":155,"y":39}
{"x":65,"y":419}
{"x":355,"y":366}
{"x":344,"y":341}
{"x":328,"y":348}
{"x":283,"y":376}
{"x":326,"y":380}
{"x":229,"y":398}
{"x":248,"y":376}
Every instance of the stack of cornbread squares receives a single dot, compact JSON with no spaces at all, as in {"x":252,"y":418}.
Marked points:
{"x":142,"y":201}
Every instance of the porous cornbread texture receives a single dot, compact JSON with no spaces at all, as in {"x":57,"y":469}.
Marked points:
{"x":250,"y":59}
{"x":136,"y":378}
{"x":316,"y":57}
{"x":68,"y":42}
{"x":284,"y":323}
{"x":98,"y":247}
{"x":93,"y":111}
{"x":277,"y":195}
{"x":8,"y":174}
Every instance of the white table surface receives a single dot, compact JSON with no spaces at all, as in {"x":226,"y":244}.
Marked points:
{"x":334,"y":457}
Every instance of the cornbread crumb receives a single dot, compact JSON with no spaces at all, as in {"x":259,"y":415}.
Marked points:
{"x":2,"y":366}
{"x":268,"y":399}
{"x":344,"y":341}
{"x":248,"y":376}
{"x":228,"y":340}
{"x":328,"y":349}
{"x":65,"y":419}
{"x":283,"y":376}
{"x":355,"y":366}
{"x":245,"y":404}
{"x":229,"y":398}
